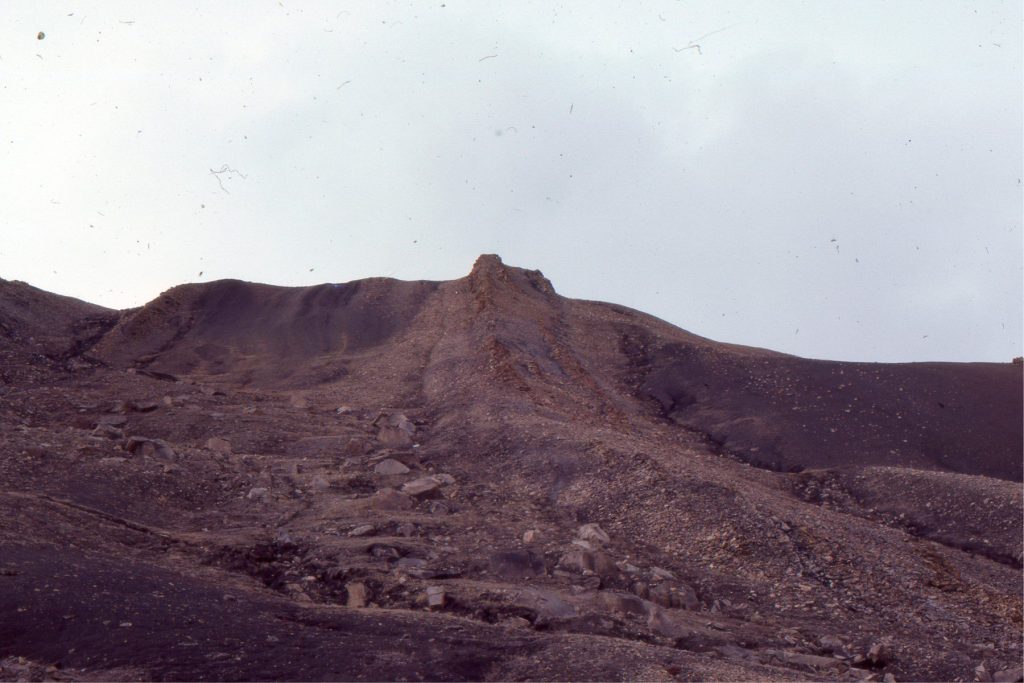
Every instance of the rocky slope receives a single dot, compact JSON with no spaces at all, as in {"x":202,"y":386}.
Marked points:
{"x":480,"y":479}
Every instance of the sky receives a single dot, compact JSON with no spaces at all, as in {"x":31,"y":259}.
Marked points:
{"x":833,"y":179}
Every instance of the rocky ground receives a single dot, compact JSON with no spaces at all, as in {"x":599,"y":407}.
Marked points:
{"x":478,"y":479}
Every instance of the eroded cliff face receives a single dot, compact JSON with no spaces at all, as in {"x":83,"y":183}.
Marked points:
{"x":479,"y":479}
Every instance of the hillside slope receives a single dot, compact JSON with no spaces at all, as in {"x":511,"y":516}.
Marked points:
{"x":481,"y":479}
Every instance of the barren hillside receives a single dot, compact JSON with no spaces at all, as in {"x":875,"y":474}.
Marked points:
{"x":481,"y":479}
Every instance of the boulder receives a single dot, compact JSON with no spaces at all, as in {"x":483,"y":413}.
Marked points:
{"x":594,"y":534}
{"x":435,"y":597}
{"x":878,"y":654}
{"x":662,"y":622}
{"x":424,"y":487}
{"x":427,"y":487}
{"x":833,"y":645}
{"x":678,"y":596}
{"x":153,"y":448}
{"x":357,"y":594}
{"x":112,"y":420}
{"x":545,"y":604}
{"x":392,"y":437}
{"x":390,"y":466}
{"x":384,"y":552}
{"x":440,"y":507}
{"x":622,"y":603}
{"x":585,"y":562}
{"x":414,"y":566}
{"x":395,"y":420}
{"x":659,"y":574}
{"x":108,"y":432}
{"x":660,"y":594}
{"x":531,"y":536}
{"x":355,"y":447}
{"x":363,"y":530}
{"x":516,"y":564}
{"x":1009,"y":675}
{"x":605,"y":566}
{"x":219,"y":445}
{"x":628,"y":567}
{"x":123,"y":407}
{"x":320,"y":483}
{"x":577,"y":561}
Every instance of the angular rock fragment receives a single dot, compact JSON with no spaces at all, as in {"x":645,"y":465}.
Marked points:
{"x":357,"y":594}
{"x":219,"y":445}
{"x":153,"y":448}
{"x":587,"y":563}
{"x":392,"y":437}
{"x":878,"y":654}
{"x":657,"y":573}
{"x":424,"y":487}
{"x":436,"y":597}
{"x":108,"y":432}
{"x":622,"y":603}
{"x":593,"y":533}
{"x":112,"y":420}
{"x":545,"y":603}
{"x":390,"y":466}
{"x":427,"y":487}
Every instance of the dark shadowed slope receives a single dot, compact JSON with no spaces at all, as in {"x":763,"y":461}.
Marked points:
{"x":47,"y":323}
{"x":790,"y":413}
{"x":41,"y":331}
{"x":247,"y":333}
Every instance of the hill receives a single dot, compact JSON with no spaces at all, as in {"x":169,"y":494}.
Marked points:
{"x":481,"y":479}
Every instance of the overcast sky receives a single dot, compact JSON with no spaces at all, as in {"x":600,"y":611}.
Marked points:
{"x":831,"y":179}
